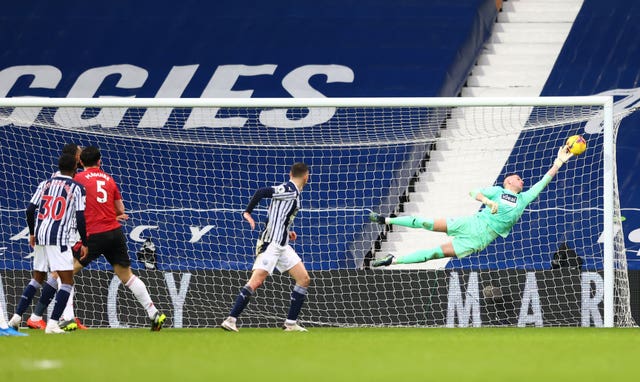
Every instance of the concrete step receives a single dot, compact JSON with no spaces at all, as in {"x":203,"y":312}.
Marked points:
{"x":548,"y":2}
{"x":531,"y":31}
{"x":540,"y":16}
{"x":524,"y":78}
{"x":413,"y":240}
{"x":498,"y":60}
{"x":547,"y":36}
{"x":458,"y":203}
{"x":515,"y":91}
{"x":539,"y":69}
{"x":539,"y":6}
{"x":523,"y":49}
{"x":490,"y":143}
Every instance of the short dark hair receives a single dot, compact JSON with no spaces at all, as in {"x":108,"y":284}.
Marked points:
{"x":90,"y":156}
{"x":299,"y":169}
{"x":70,"y":148}
{"x":67,"y":163}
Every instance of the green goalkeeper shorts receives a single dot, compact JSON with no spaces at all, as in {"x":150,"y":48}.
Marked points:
{"x":470,"y":234}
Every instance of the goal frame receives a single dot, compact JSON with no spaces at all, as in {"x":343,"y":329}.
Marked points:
{"x":606,"y":102}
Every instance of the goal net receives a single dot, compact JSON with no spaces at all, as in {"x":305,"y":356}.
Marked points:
{"x":188,"y":167}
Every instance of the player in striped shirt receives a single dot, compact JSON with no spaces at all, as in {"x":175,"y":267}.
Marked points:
{"x":105,"y":210}
{"x":55,"y":208}
{"x":273,"y":249}
{"x":68,"y":320}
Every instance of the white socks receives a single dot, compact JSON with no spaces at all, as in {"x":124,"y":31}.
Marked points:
{"x":3,"y":320}
{"x":140,"y":291}
{"x":68,"y":313}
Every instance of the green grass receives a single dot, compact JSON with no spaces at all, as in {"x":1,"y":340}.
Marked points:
{"x":325,"y":354}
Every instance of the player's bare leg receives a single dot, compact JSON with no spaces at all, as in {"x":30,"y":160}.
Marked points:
{"x":258,"y":276}
{"x":447,"y":249}
{"x":440,"y":225}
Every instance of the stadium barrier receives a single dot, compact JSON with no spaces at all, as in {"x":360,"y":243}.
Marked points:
{"x":438,"y":298}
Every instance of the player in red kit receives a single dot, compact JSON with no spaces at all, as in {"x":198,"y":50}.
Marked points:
{"x":104,"y":211}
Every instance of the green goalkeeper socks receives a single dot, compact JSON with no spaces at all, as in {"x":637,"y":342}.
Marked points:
{"x":412,"y":222}
{"x":421,"y":256}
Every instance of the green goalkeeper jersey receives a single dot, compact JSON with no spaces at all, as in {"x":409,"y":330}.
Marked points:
{"x":510,"y":205}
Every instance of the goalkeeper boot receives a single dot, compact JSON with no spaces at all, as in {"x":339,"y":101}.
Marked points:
{"x":295,"y":327}
{"x":157,"y":321}
{"x":229,"y":324}
{"x":36,"y":324}
{"x":11,"y":332}
{"x":377,"y":218}
{"x":68,"y":325}
{"x":385,"y":261}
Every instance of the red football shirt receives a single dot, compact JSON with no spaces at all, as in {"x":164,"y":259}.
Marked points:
{"x":102,"y":192}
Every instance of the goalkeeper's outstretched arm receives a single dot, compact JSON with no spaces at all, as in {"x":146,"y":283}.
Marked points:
{"x":563,"y":156}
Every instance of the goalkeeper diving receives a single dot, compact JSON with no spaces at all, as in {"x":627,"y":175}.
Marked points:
{"x":503,"y":208}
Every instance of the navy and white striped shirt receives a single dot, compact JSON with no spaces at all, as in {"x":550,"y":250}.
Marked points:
{"x":74,"y":236}
{"x":56,"y":203}
{"x":285,"y":203}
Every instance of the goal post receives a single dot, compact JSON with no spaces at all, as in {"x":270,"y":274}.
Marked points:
{"x":187,"y":168}
{"x":608,"y":211}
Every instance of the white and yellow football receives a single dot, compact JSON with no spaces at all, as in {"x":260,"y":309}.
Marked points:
{"x":577,"y":144}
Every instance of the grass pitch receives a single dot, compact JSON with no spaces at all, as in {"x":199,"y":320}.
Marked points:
{"x":325,"y":354}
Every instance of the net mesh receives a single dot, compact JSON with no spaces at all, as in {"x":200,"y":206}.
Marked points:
{"x":186,"y":175}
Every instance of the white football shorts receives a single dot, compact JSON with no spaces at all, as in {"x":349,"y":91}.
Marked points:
{"x":50,"y":258}
{"x":275,"y":256}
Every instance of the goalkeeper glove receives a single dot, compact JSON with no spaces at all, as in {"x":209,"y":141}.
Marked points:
{"x":490,"y":204}
{"x":563,"y":156}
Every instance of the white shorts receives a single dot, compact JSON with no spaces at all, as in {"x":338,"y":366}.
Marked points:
{"x":275,"y":256}
{"x":49,"y":258}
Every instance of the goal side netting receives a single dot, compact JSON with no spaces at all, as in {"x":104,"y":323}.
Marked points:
{"x":188,"y":168}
